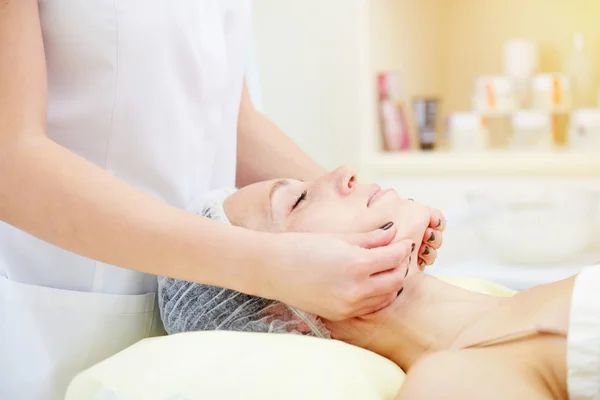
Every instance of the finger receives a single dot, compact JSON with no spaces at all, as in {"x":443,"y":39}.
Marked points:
{"x":433,"y":238}
{"x":388,"y":258}
{"x":376,"y":304}
{"x":427,"y":255}
{"x":437,"y":220}
{"x":388,"y":282}
{"x":371,"y":240}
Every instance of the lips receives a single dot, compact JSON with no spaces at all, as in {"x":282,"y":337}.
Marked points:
{"x":377,"y":195}
{"x":373,"y":194}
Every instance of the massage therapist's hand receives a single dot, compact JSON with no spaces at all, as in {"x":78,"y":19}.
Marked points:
{"x":338,"y":277}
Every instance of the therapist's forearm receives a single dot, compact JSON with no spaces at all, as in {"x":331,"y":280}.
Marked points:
{"x":265,"y":152}
{"x":61,"y":198}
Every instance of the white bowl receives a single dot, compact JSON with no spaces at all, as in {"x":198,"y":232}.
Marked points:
{"x":535,"y":225}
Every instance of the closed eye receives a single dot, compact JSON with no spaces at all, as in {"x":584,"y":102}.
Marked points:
{"x":302,"y":197}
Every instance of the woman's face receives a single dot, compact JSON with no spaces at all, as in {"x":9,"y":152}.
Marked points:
{"x":333,"y":203}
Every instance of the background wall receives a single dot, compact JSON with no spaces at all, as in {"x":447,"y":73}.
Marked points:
{"x":312,"y":56}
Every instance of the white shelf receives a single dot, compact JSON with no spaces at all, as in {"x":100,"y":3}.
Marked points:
{"x":494,"y":163}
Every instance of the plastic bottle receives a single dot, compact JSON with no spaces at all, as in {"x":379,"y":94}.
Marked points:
{"x":394,"y":124}
{"x":579,"y":68}
{"x":426,"y":117}
{"x":521,"y":63}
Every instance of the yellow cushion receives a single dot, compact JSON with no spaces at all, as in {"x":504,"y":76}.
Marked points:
{"x":479,"y":286}
{"x":232,"y":365}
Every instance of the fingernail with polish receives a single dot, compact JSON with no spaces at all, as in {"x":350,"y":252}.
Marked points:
{"x":412,"y":248}
{"x":400,"y":291}
{"x":426,"y":251}
{"x":432,"y":238}
{"x":387,"y":226}
{"x":439,"y":224}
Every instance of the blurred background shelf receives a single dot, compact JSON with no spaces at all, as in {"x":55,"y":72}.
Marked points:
{"x":499,"y":163}
{"x":319,"y":84}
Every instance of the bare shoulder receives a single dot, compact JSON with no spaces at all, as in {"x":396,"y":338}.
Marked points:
{"x":467,"y":374}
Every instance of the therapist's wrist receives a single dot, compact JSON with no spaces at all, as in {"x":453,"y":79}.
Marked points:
{"x":269,"y":261}
{"x":254,"y":265}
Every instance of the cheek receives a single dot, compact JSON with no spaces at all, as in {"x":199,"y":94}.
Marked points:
{"x":321,"y":218}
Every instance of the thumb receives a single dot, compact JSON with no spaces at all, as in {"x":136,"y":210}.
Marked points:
{"x":373,"y":239}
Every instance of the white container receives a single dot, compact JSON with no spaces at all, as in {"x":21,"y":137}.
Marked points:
{"x":495,"y":95}
{"x":532,"y":129}
{"x":521,"y":59}
{"x":467,"y":132}
{"x":580,"y":70}
{"x":584,"y":130}
{"x":521,"y":63}
{"x":533,"y":225}
{"x":551,"y":92}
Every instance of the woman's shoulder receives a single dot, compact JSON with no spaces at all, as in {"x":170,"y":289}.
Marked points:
{"x":471,"y":374}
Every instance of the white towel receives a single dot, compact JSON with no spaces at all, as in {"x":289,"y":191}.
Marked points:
{"x":583,"y":344}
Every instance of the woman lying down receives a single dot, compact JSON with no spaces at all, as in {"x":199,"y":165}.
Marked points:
{"x":543,"y":343}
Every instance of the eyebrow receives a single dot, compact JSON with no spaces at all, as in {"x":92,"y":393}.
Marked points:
{"x":279,"y":184}
{"x":276,"y":186}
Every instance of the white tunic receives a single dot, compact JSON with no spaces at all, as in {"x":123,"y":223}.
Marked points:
{"x":149,"y":90}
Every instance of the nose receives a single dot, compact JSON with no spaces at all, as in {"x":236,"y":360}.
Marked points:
{"x":343,"y":180}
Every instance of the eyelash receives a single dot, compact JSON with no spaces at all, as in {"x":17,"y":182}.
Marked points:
{"x":302,"y":197}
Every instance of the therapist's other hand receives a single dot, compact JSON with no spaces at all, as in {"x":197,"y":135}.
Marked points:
{"x":432,"y":239}
{"x":340,"y":277}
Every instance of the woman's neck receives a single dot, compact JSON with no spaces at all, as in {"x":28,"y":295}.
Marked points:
{"x":429,"y":315}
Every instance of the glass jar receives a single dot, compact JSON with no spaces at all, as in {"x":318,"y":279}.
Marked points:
{"x":496,"y":99}
{"x":495,"y":95}
{"x":532,"y":130}
{"x":467,"y":132}
{"x":552,"y":93}
{"x":584,"y":130}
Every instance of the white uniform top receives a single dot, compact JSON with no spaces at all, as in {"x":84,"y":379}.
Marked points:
{"x":149,"y":90}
